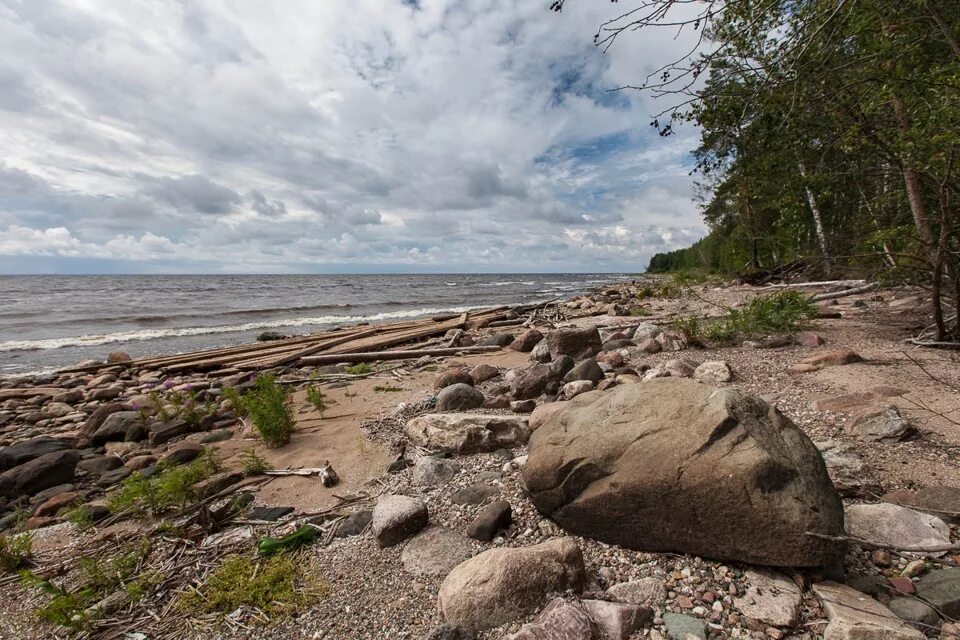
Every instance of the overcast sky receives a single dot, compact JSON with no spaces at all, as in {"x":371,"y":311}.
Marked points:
{"x":331,"y":136}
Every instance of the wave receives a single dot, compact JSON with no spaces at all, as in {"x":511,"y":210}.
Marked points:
{"x":153,"y":334}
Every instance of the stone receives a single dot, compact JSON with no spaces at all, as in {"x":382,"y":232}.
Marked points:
{"x":467,"y":432}
{"x":429,"y":471}
{"x":713,"y":372}
{"x":523,"y":406}
{"x":459,"y":397}
{"x":446,"y":632}
{"x":497,"y":340}
{"x":494,"y":517}
{"x":526,"y":341}
{"x":532,"y":383}
{"x":918,"y":614}
{"x":572,"y":389}
{"x":877,"y":423}
{"x":645,"y":331}
{"x":52,"y":506}
{"x":68,"y":397}
{"x":833,"y":358}
{"x":138,"y":463}
{"x":122,"y":426}
{"x":43,"y":472}
{"x":772,"y":598}
{"x":892,"y":526}
{"x":672,"y":465}
{"x":942,"y":590}
{"x":118,"y":356}
{"x":542,"y":413}
{"x":501,"y":585}
{"x":474,"y":494}
{"x":541,"y":352}
{"x":497,"y":402}
{"x":182,"y":454}
{"x":113,"y":477}
{"x":217,"y":483}
{"x":616,"y":620}
{"x":858,"y":400}
{"x":396,"y":517}
{"x":611,"y":359}
{"x":902,"y":584}
{"x":562,"y":365}
{"x":680,"y":368}
{"x":98,"y":465}
{"x":870,"y":585}
{"x":796,"y":369}
{"x":576,"y":343}
{"x":856,"y":616}
{"x":937,"y":500}
{"x":57,"y":410}
{"x":483,"y":372}
{"x":354,"y":524}
{"x":671,"y":342}
{"x":642,"y":591}
{"x":452,"y":376}
{"x":435,"y":551}
{"x":268,"y":514}
{"x":681,"y":626}
{"x":810,"y":339}
{"x":586,"y":370}
{"x":846,"y":468}
{"x":560,"y":620}
{"x":28,"y":450}
{"x":650,"y":346}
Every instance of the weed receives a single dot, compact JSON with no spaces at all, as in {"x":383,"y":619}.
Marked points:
{"x":386,"y":388}
{"x":358,"y":369}
{"x":65,"y":609}
{"x":80,"y":515}
{"x":266,"y":404}
{"x":15,"y":551}
{"x":782,"y":312}
{"x":639,"y":311}
{"x":252,"y":463}
{"x":172,"y":487}
{"x":236,"y":401}
{"x":316,"y":398}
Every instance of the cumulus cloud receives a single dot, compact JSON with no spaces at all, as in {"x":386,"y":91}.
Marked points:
{"x":400,"y":134}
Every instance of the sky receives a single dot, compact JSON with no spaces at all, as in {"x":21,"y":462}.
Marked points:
{"x":242,"y":136}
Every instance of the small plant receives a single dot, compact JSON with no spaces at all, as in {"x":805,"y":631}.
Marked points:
{"x":15,"y":551}
{"x":266,"y":404}
{"x":639,"y":311}
{"x":80,"y":515}
{"x":316,"y":398}
{"x":252,"y":463}
{"x":236,"y":400}
{"x":65,"y":609}
{"x":380,"y":388}
{"x":172,"y":487}
{"x":782,"y":312}
{"x":358,"y":369}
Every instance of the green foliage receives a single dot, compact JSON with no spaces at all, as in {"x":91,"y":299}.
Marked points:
{"x":172,"y":487}
{"x":266,"y":405}
{"x":358,"y":369}
{"x":316,"y":398}
{"x":270,"y":585}
{"x":80,"y":515}
{"x":252,"y":463}
{"x":236,"y":401}
{"x":380,"y":388}
{"x":782,"y":312}
{"x":661,"y":290}
{"x":15,"y":551}
{"x":305,"y":535}
{"x":639,"y":311}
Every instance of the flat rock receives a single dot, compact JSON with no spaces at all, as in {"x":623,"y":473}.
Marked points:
{"x":474,"y":494}
{"x":467,"y":432}
{"x":892,"y":526}
{"x":501,"y":585}
{"x":560,"y":620}
{"x":268,"y":514}
{"x":28,"y":450}
{"x":881,"y":422}
{"x":642,"y":591}
{"x":771,"y":598}
{"x":431,"y":471}
{"x":856,"y":616}
{"x":48,"y":470}
{"x":617,"y":621}
{"x":936,"y":500}
{"x":681,"y":626}
{"x":713,"y":372}
{"x":918,"y":614}
{"x":833,"y":358}
{"x":435,"y":551}
{"x":942,"y":590}
{"x":396,"y":518}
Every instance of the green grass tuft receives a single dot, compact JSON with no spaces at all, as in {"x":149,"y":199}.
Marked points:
{"x":266,"y":404}
{"x":380,"y":388}
{"x":783,"y":312}
{"x":15,"y":551}
{"x":252,"y":463}
{"x":358,"y":369}
{"x":172,"y":487}
{"x":317,"y":399}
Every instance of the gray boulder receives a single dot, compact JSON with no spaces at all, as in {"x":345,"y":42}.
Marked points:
{"x":942,"y":589}
{"x":396,"y":518}
{"x":676,"y":466}
{"x":459,"y":397}
{"x":855,"y":616}
{"x":28,"y":450}
{"x":43,"y":472}
{"x":467,"y":432}
{"x":586,"y":370}
{"x":576,"y":343}
{"x":892,"y":526}
{"x":880,"y":422}
{"x":533,"y":382}
{"x":122,"y":426}
{"x":430,"y":471}
{"x":435,"y":551}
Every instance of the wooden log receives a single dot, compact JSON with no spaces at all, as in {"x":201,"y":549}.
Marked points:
{"x":815,"y":285}
{"x":844,"y":294}
{"x":373,"y":356}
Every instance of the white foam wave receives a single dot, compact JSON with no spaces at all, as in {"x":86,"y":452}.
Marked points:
{"x":152,"y":334}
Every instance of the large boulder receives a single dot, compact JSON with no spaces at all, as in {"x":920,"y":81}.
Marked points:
{"x":576,"y":343}
{"x":96,"y":419}
{"x":467,"y":432}
{"x":123,"y":426}
{"x":28,"y":450}
{"x":526,"y":341}
{"x":459,"y":397}
{"x":48,"y":470}
{"x":533,"y":382}
{"x":678,"y":466}
{"x":501,"y":585}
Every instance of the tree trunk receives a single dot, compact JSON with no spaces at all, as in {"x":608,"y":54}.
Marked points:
{"x":817,"y":221}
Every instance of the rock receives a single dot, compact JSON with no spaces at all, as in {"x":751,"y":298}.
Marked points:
{"x":268,"y":514}
{"x":483,"y":372}
{"x":572,"y":389}
{"x":902,"y":584}
{"x":845,"y":467}
{"x":919,"y":614}
{"x":855,"y":616}
{"x":877,"y":423}
{"x":451,"y":377}
{"x":497,"y":340}
{"x":354,"y":524}
{"x":541,"y":352}
{"x":671,"y":342}
{"x":138,"y":463}
{"x":497,"y":402}
{"x":586,"y":370}
{"x":937,"y":500}
{"x":680,"y":368}
{"x":616,"y":620}
{"x":494,"y":517}
{"x":113,"y":477}
{"x":560,"y":620}
{"x":612,"y":359}
{"x":942,"y":590}
{"x":685,"y":468}
{"x":562,"y":365}
{"x":542,"y":413}
{"x":501,"y":585}
{"x":100,"y":464}
{"x":122,"y":426}
{"x":645,"y":331}
{"x":68,"y":397}
{"x":435,"y":551}
{"x":53,"y":505}
{"x":467,"y":432}
{"x":796,"y":369}
{"x":681,"y":626}
{"x":28,"y":450}
{"x":892,"y":526}
{"x":532,"y":382}
{"x":523,"y":406}
{"x":713,"y":372}
{"x":643,"y":591}
{"x":772,"y":598}
{"x":833,"y":358}
{"x":650,"y":346}
{"x":526,"y":341}
{"x":576,"y":343}
{"x":57,"y":410}
{"x":118,"y":356}
{"x":459,"y":397}
{"x":477,"y":493}
{"x":184,"y":453}
{"x":858,"y":400}
{"x":810,"y":339}
{"x":396,"y":518}
{"x":446,"y":632}
{"x":430,"y":471}
{"x":48,"y":470}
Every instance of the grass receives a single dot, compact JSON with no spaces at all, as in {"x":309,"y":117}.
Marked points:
{"x":252,"y":463}
{"x":317,"y":399}
{"x":358,"y":369}
{"x":266,"y":405}
{"x":272,"y":585}
{"x":639,"y":311}
{"x":783,"y":312}
{"x":80,"y":515}
{"x":15,"y":551}
{"x":386,"y":389}
{"x":172,"y":487}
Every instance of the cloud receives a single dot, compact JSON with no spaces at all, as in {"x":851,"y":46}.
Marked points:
{"x":390,"y":134}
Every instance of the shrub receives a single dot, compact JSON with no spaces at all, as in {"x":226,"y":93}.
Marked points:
{"x":171,"y":487}
{"x":252,"y":463}
{"x":782,"y":312}
{"x":316,"y":398}
{"x":386,"y":388}
{"x":266,"y":404}
{"x":15,"y":551}
{"x":358,"y":369}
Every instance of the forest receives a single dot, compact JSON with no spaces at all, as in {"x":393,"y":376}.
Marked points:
{"x":830,"y":136}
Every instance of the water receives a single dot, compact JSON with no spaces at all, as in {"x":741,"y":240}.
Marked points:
{"x":47,"y":322}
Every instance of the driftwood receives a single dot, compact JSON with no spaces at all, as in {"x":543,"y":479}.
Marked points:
{"x":373,"y":356}
{"x":843,"y":294}
{"x":815,"y":285}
